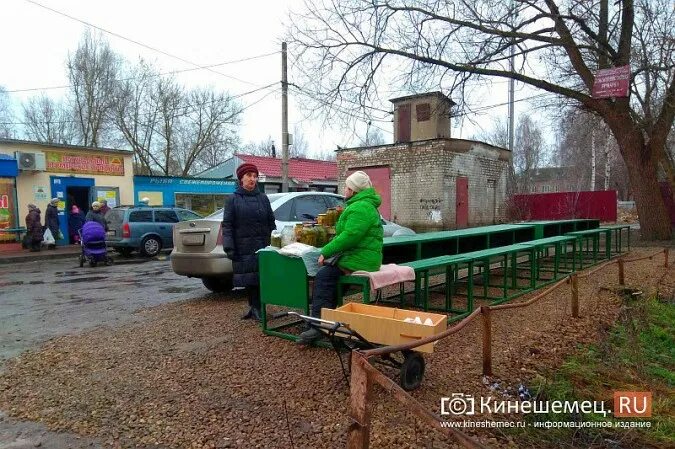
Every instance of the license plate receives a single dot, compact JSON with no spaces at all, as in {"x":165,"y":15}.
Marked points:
{"x":110,"y":233}
{"x":193,"y":240}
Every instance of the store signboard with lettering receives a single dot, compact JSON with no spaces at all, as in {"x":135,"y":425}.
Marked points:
{"x":614,"y":82}
{"x":86,"y":163}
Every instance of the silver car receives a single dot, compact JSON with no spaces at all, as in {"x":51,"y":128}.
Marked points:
{"x":198,"y":247}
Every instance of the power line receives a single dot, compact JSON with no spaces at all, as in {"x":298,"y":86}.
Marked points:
{"x":184,"y":108}
{"x":137,"y":42}
{"x":173,"y":72}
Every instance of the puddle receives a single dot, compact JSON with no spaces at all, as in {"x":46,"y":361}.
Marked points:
{"x":177,"y":290}
{"x":84,"y":279}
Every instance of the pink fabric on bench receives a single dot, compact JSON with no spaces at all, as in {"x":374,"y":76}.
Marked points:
{"x":388,"y":275}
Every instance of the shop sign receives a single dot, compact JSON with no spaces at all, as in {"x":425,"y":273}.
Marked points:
{"x":612,"y":82}
{"x":188,"y":181}
{"x":93,"y":164}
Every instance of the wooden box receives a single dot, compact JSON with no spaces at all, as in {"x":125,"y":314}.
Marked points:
{"x":386,"y":325}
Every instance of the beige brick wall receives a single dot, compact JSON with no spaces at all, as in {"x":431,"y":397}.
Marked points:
{"x":423,"y":180}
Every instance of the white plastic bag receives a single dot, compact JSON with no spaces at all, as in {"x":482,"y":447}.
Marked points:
{"x":48,"y":238}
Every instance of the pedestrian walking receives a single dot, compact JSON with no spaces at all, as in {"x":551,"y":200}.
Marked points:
{"x":52,"y":220}
{"x":34,"y":232}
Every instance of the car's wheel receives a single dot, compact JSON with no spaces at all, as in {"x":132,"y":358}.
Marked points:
{"x":124,"y":252}
{"x":217,"y":284}
{"x":150,"y":246}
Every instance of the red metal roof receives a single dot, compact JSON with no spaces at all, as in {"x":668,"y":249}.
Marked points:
{"x":301,"y":169}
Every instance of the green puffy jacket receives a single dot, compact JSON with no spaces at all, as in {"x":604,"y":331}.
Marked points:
{"x":358,"y":233}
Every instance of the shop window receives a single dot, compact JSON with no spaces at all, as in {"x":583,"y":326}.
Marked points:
{"x":166,"y":216}
{"x":201,"y":203}
{"x":140,"y":216}
{"x":8,"y":219}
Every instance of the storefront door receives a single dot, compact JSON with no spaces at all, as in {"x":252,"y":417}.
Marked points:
{"x":70,"y":191}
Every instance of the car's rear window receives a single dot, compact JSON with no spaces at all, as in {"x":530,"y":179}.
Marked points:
{"x":140,"y":216}
{"x":166,"y":216}
{"x":115,"y":217}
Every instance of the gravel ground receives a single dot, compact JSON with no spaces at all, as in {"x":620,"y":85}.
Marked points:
{"x":193,"y":375}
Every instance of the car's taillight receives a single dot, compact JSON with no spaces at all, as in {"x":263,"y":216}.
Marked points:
{"x":126,"y":232}
{"x":219,"y":241}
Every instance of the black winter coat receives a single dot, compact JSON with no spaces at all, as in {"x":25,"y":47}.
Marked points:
{"x":96,"y":216}
{"x":248,"y":222}
{"x":52,"y":219}
{"x":33,"y":225}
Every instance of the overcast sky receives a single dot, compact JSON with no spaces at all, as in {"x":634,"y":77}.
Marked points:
{"x":36,"y":43}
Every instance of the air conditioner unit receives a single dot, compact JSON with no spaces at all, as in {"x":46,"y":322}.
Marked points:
{"x":29,"y":161}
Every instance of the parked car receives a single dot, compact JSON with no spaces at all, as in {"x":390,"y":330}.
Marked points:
{"x":199,"y":247}
{"x":146,"y":229}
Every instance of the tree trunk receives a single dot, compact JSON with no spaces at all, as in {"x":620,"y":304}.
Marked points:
{"x":592,"y":160}
{"x":608,"y":165}
{"x":642,"y":172}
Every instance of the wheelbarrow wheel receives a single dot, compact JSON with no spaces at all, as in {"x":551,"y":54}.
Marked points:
{"x":412,"y":370}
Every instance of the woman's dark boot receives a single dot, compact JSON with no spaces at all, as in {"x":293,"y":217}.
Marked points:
{"x":248,"y":314}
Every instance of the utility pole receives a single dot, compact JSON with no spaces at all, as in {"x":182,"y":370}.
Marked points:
{"x":284,"y":121}
{"x":512,"y":88}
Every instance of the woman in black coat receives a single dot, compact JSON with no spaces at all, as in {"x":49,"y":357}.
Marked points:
{"x":52,"y":220}
{"x":33,"y":228}
{"x":248,"y":222}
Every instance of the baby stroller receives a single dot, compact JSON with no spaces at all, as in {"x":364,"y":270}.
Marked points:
{"x":92,"y":240}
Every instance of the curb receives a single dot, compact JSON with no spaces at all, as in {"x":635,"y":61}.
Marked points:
{"x":42,"y":255}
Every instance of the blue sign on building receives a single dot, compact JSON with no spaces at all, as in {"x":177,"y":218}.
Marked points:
{"x":201,"y":195}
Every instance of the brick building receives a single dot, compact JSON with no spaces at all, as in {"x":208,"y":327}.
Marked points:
{"x":427,"y":179}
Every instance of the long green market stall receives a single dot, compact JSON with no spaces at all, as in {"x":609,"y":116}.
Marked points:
{"x":493,"y":264}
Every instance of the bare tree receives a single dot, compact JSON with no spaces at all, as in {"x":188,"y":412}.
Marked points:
{"x":373,"y":137}
{"x":300,"y":147}
{"x":348,"y":49}
{"x":48,"y":120}
{"x":528,"y":151}
{"x":262,"y":148}
{"x":6,"y":116}
{"x":580,"y":135}
{"x":208,"y":123}
{"x":326,"y":155}
{"x":172,"y":130}
{"x":92,"y":71}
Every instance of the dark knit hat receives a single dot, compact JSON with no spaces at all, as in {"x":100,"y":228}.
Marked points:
{"x":246,"y":168}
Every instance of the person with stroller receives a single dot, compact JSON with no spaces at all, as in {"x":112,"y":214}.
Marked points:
{"x":75,"y":222}
{"x":248,"y":222}
{"x":34,"y":232}
{"x":358,"y":244}
{"x":52,"y":220}
{"x":95,"y":214}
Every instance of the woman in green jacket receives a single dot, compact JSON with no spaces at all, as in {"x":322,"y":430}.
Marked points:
{"x":357,"y":242}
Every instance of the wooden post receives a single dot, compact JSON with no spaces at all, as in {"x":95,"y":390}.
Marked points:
{"x":665,"y":252}
{"x":621,"y":274}
{"x":487,"y":340}
{"x":575,"y":295}
{"x":358,"y":431}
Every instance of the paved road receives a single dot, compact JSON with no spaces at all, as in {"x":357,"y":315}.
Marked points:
{"x":42,"y":300}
